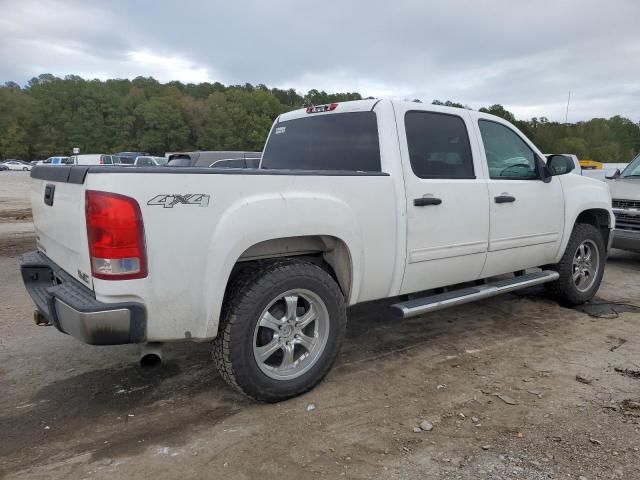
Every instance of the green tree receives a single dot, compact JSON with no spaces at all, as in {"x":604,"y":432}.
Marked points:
{"x":51,"y":115}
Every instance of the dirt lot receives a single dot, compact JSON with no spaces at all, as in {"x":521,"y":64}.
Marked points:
{"x":497,"y":380}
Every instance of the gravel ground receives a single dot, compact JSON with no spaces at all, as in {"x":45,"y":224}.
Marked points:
{"x":515,"y":387}
{"x":14,"y":191}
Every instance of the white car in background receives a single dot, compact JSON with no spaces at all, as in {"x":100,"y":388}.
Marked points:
{"x":149,"y":161}
{"x":59,"y":160}
{"x":17,"y":165}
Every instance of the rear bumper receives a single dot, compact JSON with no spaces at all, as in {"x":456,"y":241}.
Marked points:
{"x":73,"y":309}
{"x":626,"y":239}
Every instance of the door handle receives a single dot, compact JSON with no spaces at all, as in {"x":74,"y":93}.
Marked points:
{"x":424,"y":201}
{"x":505,"y":199}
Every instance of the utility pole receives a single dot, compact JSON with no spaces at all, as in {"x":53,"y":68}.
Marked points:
{"x":566,"y":115}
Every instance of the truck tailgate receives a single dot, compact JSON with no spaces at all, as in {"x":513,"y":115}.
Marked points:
{"x":57,"y":203}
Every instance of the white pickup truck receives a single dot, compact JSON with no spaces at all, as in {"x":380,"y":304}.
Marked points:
{"x":352,"y":202}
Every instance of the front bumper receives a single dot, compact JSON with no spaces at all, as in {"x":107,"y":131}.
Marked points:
{"x":73,"y":309}
{"x":626,"y":236}
{"x":626,"y":239}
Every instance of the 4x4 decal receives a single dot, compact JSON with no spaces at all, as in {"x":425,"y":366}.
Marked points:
{"x":168,"y":201}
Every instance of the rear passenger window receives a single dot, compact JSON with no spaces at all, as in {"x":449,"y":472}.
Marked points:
{"x":341,"y":141}
{"x":438,"y":145}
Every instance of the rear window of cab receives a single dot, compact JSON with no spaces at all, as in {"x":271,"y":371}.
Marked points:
{"x":345,"y":141}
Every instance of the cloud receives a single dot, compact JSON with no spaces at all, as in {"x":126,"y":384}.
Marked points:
{"x":166,"y":68}
{"x":524,"y":55}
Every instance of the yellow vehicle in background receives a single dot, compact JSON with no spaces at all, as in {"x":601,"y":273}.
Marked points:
{"x":590,"y":165}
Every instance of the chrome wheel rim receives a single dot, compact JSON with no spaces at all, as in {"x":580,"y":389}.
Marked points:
{"x":291,"y":334}
{"x":586,"y":262}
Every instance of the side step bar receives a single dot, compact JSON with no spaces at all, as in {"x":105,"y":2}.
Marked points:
{"x":418,"y":306}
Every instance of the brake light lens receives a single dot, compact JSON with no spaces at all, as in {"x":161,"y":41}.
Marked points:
{"x":322,"y":108}
{"x":116,"y":236}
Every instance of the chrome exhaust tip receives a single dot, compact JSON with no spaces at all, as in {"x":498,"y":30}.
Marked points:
{"x":151,"y":355}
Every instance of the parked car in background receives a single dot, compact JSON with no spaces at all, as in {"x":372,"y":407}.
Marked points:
{"x":3,"y":167}
{"x":625,"y":192}
{"x":352,"y":202}
{"x":56,"y":160}
{"x":149,"y":161}
{"x":129,"y":158}
{"x":94,"y":159}
{"x":221,"y":158}
{"x":17,"y":165}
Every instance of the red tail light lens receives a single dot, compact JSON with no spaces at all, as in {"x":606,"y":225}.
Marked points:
{"x":116,"y":236}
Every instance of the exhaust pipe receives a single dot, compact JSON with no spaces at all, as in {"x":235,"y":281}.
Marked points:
{"x":151,"y":355}
{"x":40,"y":319}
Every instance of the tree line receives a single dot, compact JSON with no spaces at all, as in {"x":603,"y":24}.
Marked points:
{"x":51,"y":115}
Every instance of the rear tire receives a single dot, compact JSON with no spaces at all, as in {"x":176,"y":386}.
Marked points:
{"x":281,"y":329}
{"x":581,"y":267}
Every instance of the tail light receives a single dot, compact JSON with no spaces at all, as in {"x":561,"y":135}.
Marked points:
{"x":116,"y":236}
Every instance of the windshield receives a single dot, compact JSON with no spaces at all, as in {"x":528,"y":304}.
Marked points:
{"x":633,"y":169}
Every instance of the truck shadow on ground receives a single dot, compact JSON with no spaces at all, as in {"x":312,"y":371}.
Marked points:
{"x":76,"y":408}
{"x":99,"y":411}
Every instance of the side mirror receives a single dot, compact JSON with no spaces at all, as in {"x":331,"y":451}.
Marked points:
{"x":614,"y":175}
{"x":559,"y":165}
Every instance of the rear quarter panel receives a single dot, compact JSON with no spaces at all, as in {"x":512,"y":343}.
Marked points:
{"x":191,"y":249}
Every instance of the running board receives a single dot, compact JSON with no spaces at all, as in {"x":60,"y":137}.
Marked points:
{"x":432,"y":303}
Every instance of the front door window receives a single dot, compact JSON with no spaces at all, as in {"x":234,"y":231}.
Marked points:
{"x":508,"y":156}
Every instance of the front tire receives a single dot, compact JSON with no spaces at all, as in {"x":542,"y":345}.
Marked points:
{"x":581,"y":268}
{"x":281,"y":329}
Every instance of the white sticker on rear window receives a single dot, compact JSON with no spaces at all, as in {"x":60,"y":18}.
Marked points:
{"x":280,"y":130}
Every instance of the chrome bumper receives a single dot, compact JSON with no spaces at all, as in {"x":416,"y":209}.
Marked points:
{"x":73,"y":309}
{"x":626,"y":236}
{"x":626,"y":239}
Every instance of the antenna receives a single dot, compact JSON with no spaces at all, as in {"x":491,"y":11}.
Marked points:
{"x":566,"y":115}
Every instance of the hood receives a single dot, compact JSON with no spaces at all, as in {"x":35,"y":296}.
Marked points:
{"x":625,"y":188}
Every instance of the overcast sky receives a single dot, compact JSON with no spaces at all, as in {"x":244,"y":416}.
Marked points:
{"x":526,"y":55}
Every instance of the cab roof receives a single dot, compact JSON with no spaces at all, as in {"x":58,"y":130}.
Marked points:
{"x":341,"y":107}
{"x":368,"y":105}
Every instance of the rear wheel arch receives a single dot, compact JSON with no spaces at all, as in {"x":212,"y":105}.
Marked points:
{"x":328,"y":252}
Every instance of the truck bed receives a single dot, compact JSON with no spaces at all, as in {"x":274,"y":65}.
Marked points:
{"x":192,"y":245}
